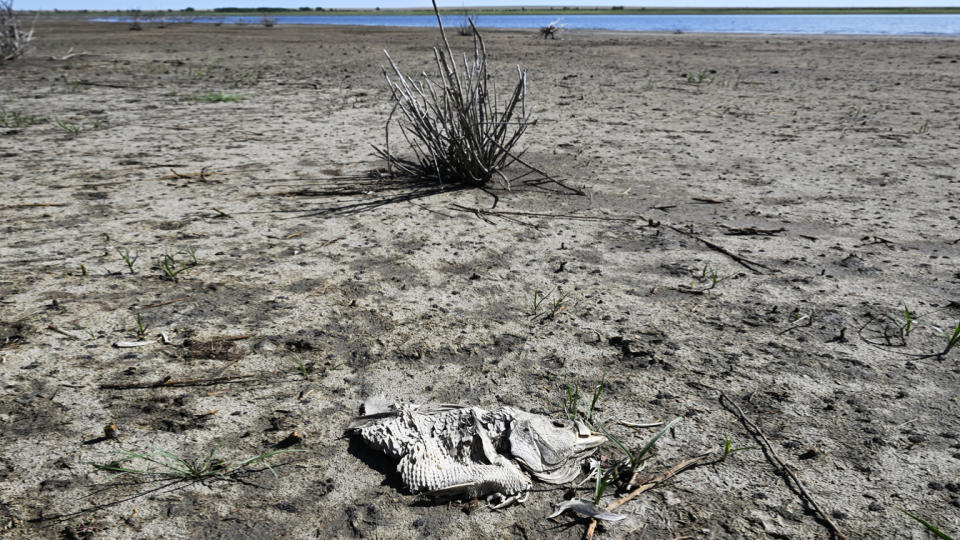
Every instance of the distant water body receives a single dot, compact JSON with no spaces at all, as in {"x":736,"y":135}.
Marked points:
{"x":733,"y":24}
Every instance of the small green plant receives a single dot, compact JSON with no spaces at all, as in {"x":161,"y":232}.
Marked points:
{"x":709,"y":274}
{"x":552,"y":308}
{"x":602,"y":481}
{"x":192,"y":254}
{"x":72,"y":86}
{"x":700,"y":77}
{"x":303,"y":368}
{"x":924,"y":127}
{"x":199,"y":73}
{"x":72,"y":129}
{"x":708,"y":278}
{"x":127,"y":259}
{"x":729,"y":449}
{"x":557,"y":304}
{"x":571,"y":402}
{"x":930,"y":527}
{"x":633,"y":463}
{"x":908,"y":326}
{"x":596,"y":397}
{"x":141,"y":328}
{"x":635,"y":460}
{"x":952,"y":342}
{"x":12,"y":119}
{"x":538,"y":298}
{"x":171,"y":269}
{"x":166,"y":465}
{"x":219,"y":97}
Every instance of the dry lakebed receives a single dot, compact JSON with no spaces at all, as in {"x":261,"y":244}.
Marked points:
{"x":755,"y":234}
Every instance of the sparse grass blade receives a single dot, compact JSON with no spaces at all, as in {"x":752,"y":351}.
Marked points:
{"x":596,"y":396}
{"x":646,"y":448}
{"x":141,"y":327}
{"x":600,"y":486}
{"x":72,"y":129}
{"x":952,"y":342}
{"x":13,"y":119}
{"x":127,"y":259}
{"x":929,"y":526}
{"x":619,"y":444}
{"x":729,"y":449}
{"x":571,"y":404}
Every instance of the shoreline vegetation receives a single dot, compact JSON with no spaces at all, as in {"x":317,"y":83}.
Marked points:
{"x":615,"y":10}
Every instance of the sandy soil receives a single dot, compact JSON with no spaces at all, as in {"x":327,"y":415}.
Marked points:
{"x":829,"y":162}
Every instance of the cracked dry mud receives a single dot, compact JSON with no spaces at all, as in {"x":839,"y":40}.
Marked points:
{"x":829,"y":160}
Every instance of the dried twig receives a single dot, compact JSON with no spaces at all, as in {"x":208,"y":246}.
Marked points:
{"x":753,"y":231}
{"x":168,"y":302}
{"x":779,"y":463}
{"x":168,"y":382}
{"x":70,"y":54}
{"x":33,"y":205}
{"x":62,"y":333}
{"x":500,"y":213}
{"x":743,"y":261}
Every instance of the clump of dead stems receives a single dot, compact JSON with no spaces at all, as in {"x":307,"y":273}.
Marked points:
{"x":551,"y":30}
{"x":459,"y":132}
{"x":13,"y":40}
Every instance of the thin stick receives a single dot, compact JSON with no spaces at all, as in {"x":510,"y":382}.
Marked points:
{"x":168,"y":382}
{"x":675,"y":470}
{"x":535,"y":214}
{"x":230,"y":338}
{"x":33,"y":205}
{"x":174,"y":301}
{"x":772,"y":455}
{"x":61,"y":332}
{"x":743,"y":261}
{"x":641,"y":426}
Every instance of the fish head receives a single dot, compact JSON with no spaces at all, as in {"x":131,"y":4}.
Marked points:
{"x":551,"y":449}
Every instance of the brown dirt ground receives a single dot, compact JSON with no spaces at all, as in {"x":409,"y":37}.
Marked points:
{"x":830,"y":161}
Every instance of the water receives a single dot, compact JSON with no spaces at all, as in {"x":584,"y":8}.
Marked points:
{"x":733,"y":24}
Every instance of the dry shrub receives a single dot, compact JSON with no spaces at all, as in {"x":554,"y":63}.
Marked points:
{"x":467,"y":25}
{"x":551,"y":30}
{"x":457,"y":129}
{"x":13,"y":40}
